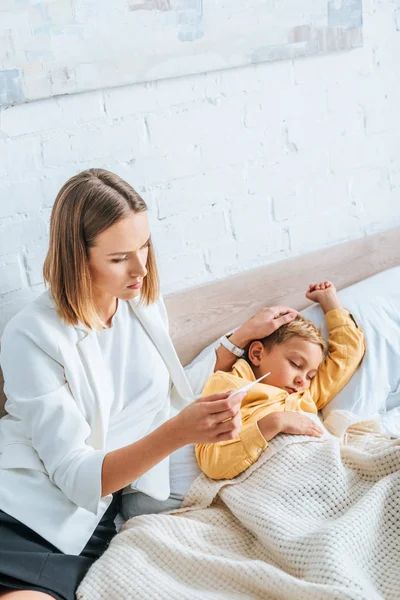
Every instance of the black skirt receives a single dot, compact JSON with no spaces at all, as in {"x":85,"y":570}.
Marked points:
{"x":29,"y":562}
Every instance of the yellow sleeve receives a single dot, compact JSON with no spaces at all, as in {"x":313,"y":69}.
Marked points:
{"x":225,"y":460}
{"x":346,"y":349}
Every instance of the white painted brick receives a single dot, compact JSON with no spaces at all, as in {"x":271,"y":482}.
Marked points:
{"x":325,"y":131}
{"x":265,"y":246}
{"x":56,"y":151}
{"x":294,"y":199}
{"x":298,"y":101}
{"x":313,"y":161}
{"x":168,"y":237}
{"x":21,"y":234}
{"x":28,"y":118}
{"x":251,"y":215}
{"x":173,"y":92}
{"x":81,"y":108}
{"x":362,"y":152}
{"x":194,"y":193}
{"x":206,"y":228}
{"x":368,"y":184}
{"x":364,"y":94}
{"x":151,"y":168}
{"x":20,"y":158}
{"x":222,"y":258}
{"x":380,"y":211}
{"x":10,"y":277}
{"x":333,"y":69}
{"x":180,"y":268}
{"x":34,"y":260}
{"x":395,"y":180}
{"x":130,"y":100}
{"x":21,"y":197}
{"x":318,"y":232}
{"x":52,"y":182}
{"x":69,"y":111}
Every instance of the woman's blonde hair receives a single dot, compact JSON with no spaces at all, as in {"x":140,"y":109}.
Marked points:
{"x":86,"y":205}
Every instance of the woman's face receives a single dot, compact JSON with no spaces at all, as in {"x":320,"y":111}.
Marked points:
{"x":117,"y":261}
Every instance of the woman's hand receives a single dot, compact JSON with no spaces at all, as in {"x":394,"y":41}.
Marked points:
{"x":263,"y":323}
{"x":288,"y":422}
{"x":210,"y":419}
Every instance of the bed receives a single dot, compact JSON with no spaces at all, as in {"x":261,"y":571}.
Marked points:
{"x":311,"y":519}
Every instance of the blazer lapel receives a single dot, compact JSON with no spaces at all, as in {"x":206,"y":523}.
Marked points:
{"x":99,"y":380}
{"x":156,"y":327}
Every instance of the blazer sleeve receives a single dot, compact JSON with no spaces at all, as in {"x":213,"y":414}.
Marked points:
{"x":202,"y":367}
{"x":39,"y":398}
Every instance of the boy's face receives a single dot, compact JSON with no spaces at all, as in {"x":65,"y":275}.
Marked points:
{"x":292,"y":364}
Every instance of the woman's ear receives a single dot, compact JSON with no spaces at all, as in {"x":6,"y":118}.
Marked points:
{"x":256,"y":353}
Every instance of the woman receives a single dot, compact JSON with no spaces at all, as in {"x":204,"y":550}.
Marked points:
{"x":90,"y":374}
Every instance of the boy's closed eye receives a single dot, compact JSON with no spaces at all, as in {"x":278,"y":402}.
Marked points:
{"x":300,"y":367}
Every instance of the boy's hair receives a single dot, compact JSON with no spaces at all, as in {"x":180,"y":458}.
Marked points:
{"x":299,"y":327}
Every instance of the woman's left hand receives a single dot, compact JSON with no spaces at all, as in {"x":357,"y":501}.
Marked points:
{"x":262,"y":324}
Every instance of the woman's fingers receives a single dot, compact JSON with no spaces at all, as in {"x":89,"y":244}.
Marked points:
{"x":229,"y":430}
{"x":215,"y":397}
{"x":283,"y":319}
{"x":225,"y":404}
{"x":226,"y":415}
{"x":280,"y":310}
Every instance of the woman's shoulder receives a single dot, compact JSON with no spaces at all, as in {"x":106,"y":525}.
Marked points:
{"x":38,"y":319}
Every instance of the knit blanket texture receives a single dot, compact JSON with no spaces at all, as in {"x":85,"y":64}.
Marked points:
{"x":311,"y":519}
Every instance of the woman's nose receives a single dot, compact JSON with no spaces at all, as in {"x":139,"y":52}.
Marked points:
{"x":137,"y":269}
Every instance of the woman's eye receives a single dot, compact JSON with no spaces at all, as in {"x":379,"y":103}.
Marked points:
{"x":294,"y":364}
{"x":118,"y":260}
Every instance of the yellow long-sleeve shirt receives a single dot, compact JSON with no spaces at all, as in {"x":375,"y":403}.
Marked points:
{"x":225,"y":460}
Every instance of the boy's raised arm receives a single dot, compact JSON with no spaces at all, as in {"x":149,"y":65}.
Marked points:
{"x":346,"y":346}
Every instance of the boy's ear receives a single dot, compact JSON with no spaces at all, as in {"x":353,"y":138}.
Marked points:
{"x":256,"y":352}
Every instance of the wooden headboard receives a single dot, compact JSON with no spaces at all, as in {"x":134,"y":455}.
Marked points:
{"x":200,"y":315}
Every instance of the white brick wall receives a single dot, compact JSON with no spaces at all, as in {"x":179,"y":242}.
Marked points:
{"x":239,"y":168}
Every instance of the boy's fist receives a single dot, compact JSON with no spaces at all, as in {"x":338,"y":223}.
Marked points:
{"x":318,"y":291}
{"x":325,"y":294}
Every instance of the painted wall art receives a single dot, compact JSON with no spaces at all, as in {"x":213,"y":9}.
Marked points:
{"x":52,"y":47}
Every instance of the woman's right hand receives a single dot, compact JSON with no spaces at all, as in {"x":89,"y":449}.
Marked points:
{"x":211,"y":419}
{"x":288,"y":422}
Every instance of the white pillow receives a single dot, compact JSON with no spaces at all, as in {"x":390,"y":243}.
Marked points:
{"x":375,"y":304}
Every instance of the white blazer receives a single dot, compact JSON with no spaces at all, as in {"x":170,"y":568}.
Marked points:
{"x":59,"y":427}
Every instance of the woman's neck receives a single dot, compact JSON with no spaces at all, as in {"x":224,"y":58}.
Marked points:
{"x":106,"y":306}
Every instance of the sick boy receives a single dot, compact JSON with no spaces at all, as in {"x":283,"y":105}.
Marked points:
{"x":302,"y":380}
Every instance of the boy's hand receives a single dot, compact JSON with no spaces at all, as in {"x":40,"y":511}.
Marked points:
{"x":325,"y":294}
{"x":287,"y":422}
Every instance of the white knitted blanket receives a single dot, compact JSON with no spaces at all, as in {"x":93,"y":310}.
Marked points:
{"x":310,"y":520}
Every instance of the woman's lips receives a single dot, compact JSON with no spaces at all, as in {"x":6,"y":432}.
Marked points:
{"x":135,"y":286}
